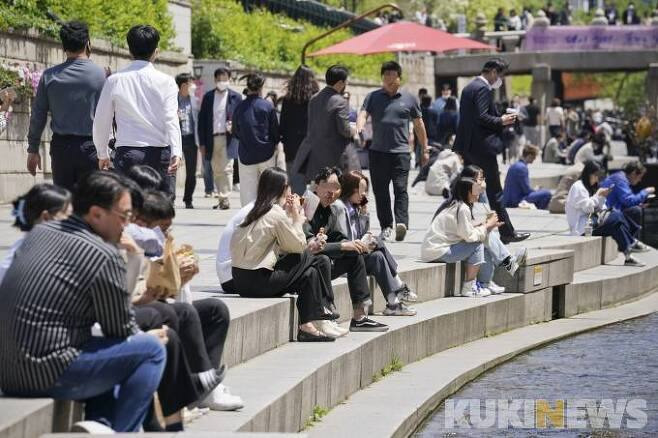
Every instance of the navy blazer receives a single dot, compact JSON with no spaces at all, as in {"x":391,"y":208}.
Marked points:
{"x":480,"y":124}
{"x":205,"y":123}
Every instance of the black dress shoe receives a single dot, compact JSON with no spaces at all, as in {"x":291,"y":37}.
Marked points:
{"x":189,"y":205}
{"x":516,"y":237}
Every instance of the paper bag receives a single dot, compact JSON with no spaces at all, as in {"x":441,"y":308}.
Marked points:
{"x":164,"y":272}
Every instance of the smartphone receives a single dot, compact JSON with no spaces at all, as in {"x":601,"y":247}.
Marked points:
{"x":512,"y":111}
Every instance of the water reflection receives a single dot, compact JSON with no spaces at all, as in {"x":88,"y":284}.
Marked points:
{"x":615,"y":362}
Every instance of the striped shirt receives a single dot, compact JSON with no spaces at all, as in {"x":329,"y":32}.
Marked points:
{"x":63,"y":279}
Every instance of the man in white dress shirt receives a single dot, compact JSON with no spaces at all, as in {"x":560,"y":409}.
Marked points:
{"x":144,"y":103}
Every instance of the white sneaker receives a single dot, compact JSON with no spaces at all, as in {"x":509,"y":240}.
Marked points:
{"x":387,"y":234}
{"x":494,"y":288}
{"x":343,"y":331}
{"x":518,"y":260}
{"x":482,"y":292}
{"x":221,"y":399}
{"x":93,"y":427}
{"x":236,"y":187}
{"x":469,"y":289}
{"x":328,"y":328}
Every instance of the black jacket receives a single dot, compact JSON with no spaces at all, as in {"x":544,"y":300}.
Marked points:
{"x":480,"y":124}
{"x":205,"y":124}
{"x":292,"y":126}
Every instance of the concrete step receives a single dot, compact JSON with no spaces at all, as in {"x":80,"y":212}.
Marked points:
{"x":419,"y":388}
{"x":25,"y":418}
{"x":609,"y":285}
{"x":282,"y":386}
{"x":588,"y":251}
{"x":544,"y":268}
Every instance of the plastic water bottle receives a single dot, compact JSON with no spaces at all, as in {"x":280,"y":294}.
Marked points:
{"x":589,"y":227}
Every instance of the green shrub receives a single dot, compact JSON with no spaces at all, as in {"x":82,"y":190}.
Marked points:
{"x":107,"y":19}
{"x":222,"y":30}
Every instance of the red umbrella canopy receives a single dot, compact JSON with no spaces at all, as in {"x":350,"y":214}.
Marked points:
{"x":403,"y":36}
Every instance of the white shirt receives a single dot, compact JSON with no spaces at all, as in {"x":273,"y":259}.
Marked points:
{"x":219,"y":112}
{"x":223,"y":260}
{"x":579,"y":206}
{"x":444,"y":170}
{"x":514,"y":23}
{"x":554,"y":115}
{"x":6,"y":262}
{"x":144,"y":102}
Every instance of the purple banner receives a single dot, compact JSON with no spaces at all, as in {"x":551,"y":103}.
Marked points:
{"x":577,"y":38}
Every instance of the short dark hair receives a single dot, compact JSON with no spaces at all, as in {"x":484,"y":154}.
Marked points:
{"x":391,"y":66}
{"x":255,"y":81}
{"x":100,"y":188}
{"x":336,"y":73}
{"x":451,"y":104}
{"x":422,"y":91}
{"x":136,"y":195}
{"x":222,"y":70}
{"x":324,"y":174}
{"x":157,"y":206}
{"x":145,"y":176}
{"x":530,"y":150}
{"x":74,"y":36}
{"x":495,"y":64}
{"x":183,"y":78}
{"x":426,"y":100}
{"x":349,"y":183}
{"x":634,"y":167}
{"x":142,"y":41}
{"x":41,"y":197}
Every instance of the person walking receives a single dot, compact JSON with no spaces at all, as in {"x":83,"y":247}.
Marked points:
{"x":215,"y":136}
{"x":188,"y":114}
{"x":479,"y":141}
{"x":256,"y":126}
{"x":294,"y":120}
{"x":392,"y":111}
{"x":143,"y":102}
{"x":329,"y":131}
{"x":70,"y":93}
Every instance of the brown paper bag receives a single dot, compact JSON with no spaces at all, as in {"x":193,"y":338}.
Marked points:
{"x":165,"y":271}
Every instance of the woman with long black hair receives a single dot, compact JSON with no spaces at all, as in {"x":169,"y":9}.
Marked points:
{"x":294,"y":119}
{"x":274,"y":227}
{"x":586,"y":207}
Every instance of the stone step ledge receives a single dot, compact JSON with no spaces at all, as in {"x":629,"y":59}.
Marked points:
{"x":281,"y":387}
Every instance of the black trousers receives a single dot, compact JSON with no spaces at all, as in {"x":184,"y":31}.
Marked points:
{"x":384,"y":169}
{"x":307,"y":275}
{"x":190,"y":153}
{"x":72,"y":156}
{"x":177,"y":387}
{"x":489,"y":164}
{"x":354,"y":266}
{"x":202,"y":327}
{"x":156,"y":157}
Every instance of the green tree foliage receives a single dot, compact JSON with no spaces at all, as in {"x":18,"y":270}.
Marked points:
{"x":222,"y":30}
{"x":107,"y":19}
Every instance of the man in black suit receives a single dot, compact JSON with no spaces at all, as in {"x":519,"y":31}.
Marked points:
{"x":478,"y":138}
{"x":630,"y":15}
{"x":214,"y":128}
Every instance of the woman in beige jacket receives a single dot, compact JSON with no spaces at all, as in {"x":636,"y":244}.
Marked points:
{"x":270,"y":258}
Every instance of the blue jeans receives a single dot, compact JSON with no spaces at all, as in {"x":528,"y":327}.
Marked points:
{"x":116,"y":378}
{"x":541,"y":198}
{"x":472,"y":252}
{"x":495,"y":252}
{"x":617,"y":226}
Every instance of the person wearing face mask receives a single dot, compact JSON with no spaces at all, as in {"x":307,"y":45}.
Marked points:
{"x":479,"y":140}
{"x":143,"y":103}
{"x":188,"y":114}
{"x":215,"y":137}
{"x":440,"y":102}
{"x":70,"y":93}
{"x":328,"y":130}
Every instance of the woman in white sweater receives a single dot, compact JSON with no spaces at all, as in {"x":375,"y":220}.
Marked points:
{"x":452,"y":236}
{"x":587,"y":202}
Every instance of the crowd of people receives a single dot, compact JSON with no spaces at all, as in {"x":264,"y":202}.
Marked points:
{"x":97,"y":295}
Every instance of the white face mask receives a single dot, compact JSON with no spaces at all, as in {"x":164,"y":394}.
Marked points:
{"x":192,"y":89}
{"x":496,"y":85}
{"x":222,"y":85}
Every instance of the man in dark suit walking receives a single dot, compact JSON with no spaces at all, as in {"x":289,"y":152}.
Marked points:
{"x":478,"y":138}
{"x":329,"y":131}
{"x":214,"y":128}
